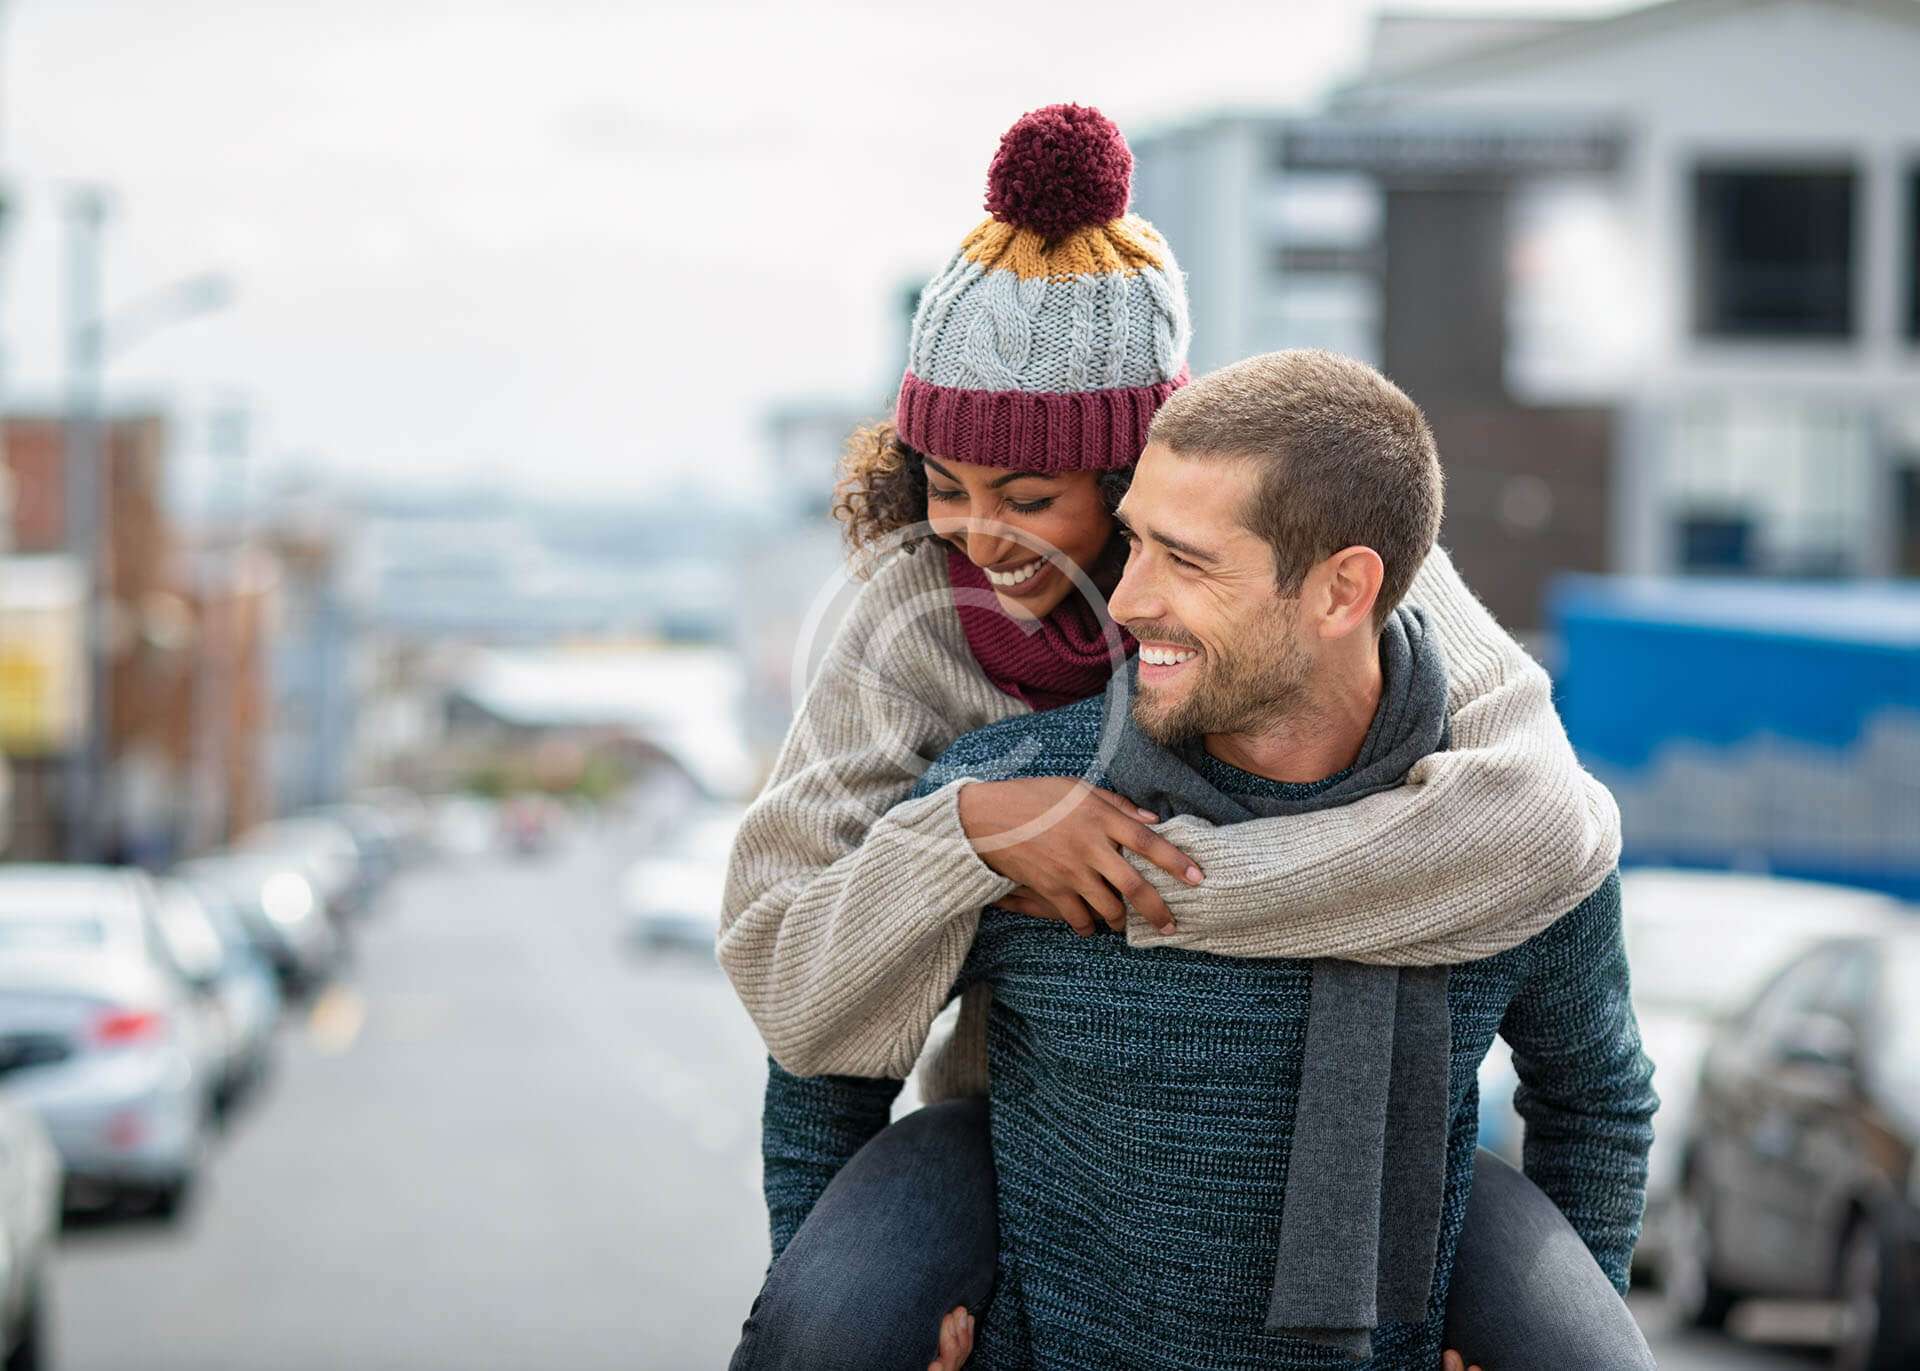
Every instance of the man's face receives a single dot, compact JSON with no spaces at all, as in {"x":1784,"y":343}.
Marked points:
{"x":1220,"y":650}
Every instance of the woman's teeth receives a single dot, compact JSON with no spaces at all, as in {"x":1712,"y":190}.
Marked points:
{"x":1018,"y":576}
{"x":1166,"y":656}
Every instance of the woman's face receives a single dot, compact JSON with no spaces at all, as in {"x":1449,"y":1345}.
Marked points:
{"x":980,"y":509}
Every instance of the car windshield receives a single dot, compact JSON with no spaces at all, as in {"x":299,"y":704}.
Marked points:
{"x":1900,"y":1061}
{"x":1705,"y":964}
{"x":28,"y":932}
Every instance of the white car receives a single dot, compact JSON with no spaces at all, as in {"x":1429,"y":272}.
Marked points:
{"x":30,"y":1185}
{"x":283,"y":914}
{"x":209,"y":939}
{"x":102,"y":1034}
{"x":672,"y":895}
{"x":1699,"y":945}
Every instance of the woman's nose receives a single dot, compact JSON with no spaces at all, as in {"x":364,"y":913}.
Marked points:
{"x":989,"y":544}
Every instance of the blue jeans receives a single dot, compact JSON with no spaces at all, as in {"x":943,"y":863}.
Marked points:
{"x":906,"y":1231}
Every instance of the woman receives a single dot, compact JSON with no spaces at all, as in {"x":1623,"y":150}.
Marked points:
{"x":1038,"y":357}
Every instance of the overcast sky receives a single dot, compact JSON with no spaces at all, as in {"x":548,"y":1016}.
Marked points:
{"x":571,"y":246}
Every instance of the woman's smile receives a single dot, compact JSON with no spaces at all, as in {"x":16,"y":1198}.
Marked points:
{"x":1026,"y":580}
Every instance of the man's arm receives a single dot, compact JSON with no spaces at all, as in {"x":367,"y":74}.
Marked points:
{"x":1586,"y":1089}
{"x":811,"y":1128}
{"x":1485,"y":845}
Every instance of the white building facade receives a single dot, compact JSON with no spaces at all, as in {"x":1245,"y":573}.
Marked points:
{"x":1706,"y":218}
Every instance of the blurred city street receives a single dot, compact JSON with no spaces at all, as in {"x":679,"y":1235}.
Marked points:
{"x":512,"y":1142}
{"x":508,"y":1145}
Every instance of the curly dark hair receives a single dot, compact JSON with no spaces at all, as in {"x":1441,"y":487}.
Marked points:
{"x":883,"y":488}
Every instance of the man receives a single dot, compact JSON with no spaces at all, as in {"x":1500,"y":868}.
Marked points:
{"x":1208,"y":1161}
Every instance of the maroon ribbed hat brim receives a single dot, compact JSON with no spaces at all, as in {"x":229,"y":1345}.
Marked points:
{"x":1084,"y":430}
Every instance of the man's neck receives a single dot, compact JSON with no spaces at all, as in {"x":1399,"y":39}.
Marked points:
{"x":1321,"y":738}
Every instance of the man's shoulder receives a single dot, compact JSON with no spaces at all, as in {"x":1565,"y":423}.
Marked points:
{"x":1585,"y":931}
{"x":1049,"y":742}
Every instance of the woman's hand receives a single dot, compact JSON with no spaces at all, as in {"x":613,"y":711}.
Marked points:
{"x":1073,"y":863}
{"x":956,"y":1340}
{"x":1453,"y":1361}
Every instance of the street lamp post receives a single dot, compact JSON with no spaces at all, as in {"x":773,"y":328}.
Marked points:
{"x":85,"y":510}
{"x":91,"y":341}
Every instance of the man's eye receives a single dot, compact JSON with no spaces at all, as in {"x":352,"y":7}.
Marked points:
{"x":1180,"y":561}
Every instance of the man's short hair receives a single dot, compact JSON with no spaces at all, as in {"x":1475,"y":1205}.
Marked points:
{"x":1345,"y":458}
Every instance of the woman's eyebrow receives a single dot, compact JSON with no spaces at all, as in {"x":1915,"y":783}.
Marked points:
{"x":994,"y":484}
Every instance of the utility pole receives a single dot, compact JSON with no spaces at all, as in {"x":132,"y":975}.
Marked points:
{"x":7,"y":493}
{"x":89,"y":534}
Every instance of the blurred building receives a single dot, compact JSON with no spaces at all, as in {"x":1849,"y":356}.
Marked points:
{"x":1652,"y":276}
{"x":784,"y":576}
{"x":1762,"y":726}
{"x":157,"y":619}
{"x":318,"y":656}
{"x":792,"y":580}
{"x":542,"y":717}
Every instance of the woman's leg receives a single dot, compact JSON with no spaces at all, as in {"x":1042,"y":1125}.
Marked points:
{"x":1526,"y":1294}
{"x":904,"y":1233}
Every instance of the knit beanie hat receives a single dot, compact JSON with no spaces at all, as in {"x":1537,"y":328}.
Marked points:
{"x":1060,"y":326}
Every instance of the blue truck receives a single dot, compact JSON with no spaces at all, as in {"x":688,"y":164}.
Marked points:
{"x":1752,"y":725}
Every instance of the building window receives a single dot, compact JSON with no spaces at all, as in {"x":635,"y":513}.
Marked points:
{"x":1773,"y":253}
{"x":1913,"y":254}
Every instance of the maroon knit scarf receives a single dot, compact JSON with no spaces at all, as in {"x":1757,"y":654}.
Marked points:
{"x":1055,"y":661}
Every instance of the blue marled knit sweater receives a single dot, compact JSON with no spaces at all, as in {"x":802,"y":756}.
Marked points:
{"x":1143,"y":1103}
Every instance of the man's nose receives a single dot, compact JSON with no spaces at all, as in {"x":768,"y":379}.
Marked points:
{"x":1133,"y":598}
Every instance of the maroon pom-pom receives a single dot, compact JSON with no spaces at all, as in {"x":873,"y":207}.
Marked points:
{"x":1061,"y":168}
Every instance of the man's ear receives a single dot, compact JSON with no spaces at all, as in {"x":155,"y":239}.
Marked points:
{"x":1350,"y":581}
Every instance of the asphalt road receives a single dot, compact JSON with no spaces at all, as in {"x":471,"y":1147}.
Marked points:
{"x":505,"y":1143}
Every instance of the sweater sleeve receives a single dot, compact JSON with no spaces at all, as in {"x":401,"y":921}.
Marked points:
{"x":1504,"y":830}
{"x":811,"y":1128}
{"x":849,"y":907}
{"x":1586,"y":1089}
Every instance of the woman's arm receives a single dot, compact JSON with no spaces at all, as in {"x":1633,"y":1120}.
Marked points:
{"x":1486,"y":844}
{"x":849,"y":907}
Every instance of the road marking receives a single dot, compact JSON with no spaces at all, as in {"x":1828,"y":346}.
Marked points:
{"x":336,"y":1019}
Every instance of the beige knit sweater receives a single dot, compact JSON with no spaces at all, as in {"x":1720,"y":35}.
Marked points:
{"x":849,"y":909}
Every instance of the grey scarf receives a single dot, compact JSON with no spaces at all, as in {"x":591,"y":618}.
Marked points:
{"x":1360,"y":1222}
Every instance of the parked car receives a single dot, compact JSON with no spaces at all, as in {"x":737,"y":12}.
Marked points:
{"x":102,"y":1033}
{"x":672,"y":895}
{"x":280,"y":909}
{"x":1699,"y":943}
{"x":243,"y":981}
{"x":30,"y":1188}
{"x":375,"y":834}
{"x":1801,"y":1171}
{"x":324,"y":851}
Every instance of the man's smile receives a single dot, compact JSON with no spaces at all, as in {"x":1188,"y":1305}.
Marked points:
{"x":1161,"y":662}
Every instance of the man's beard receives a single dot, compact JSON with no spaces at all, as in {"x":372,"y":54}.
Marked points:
{"x":1248,"y":690}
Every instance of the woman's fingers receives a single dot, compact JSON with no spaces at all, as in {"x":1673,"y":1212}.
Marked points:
{"x":1103,"y":899}
{"x":1136,"y":890}
{"x":1156,"y":849}
{"x":1074,"y":910}
{"x":1126,"y":806}
{"x":966,"y":1337}
{"x":1026,"y":900}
